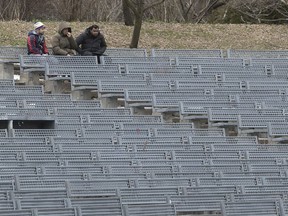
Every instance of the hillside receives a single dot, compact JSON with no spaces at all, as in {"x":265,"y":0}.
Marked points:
{"x":166,"y":35}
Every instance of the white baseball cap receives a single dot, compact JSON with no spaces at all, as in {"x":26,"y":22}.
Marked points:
{"x":38,"y":25}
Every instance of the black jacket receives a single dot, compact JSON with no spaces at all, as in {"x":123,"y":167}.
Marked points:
{"x":97,"y":45}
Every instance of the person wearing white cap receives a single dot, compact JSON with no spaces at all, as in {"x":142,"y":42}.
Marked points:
{"x":36,"y":43}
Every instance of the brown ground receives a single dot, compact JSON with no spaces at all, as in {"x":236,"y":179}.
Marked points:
{"x":166,"y":35}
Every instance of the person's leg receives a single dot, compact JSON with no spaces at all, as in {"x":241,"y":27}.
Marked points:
{"x":98,"y":59}
{"x":87,"y":53}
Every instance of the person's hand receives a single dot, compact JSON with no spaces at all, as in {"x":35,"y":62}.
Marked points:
{"x":69,"y":34}
{"x":68,"y":54}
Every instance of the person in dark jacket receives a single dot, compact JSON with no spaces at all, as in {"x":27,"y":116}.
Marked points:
{"x":63,"y":43}
{"x":36,"y":43}
{"x":91,"y":42}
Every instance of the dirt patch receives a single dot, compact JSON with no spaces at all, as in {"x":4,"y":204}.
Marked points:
{"x":166,"y":35}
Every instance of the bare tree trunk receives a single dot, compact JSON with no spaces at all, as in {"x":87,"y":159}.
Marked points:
{"x":138,"y":14}
{"x":136,"y":32}
{"x":128,"y":17}
{"x":138,"y":8}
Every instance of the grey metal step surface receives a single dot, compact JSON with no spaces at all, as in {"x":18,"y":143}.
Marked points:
{"x":34,"y":61}
{"x":210,"y":61}
{"x":278,"y":129}
{"x":90,"y":80}
{"x":157,"y":209}
{"x":186,"y":52}
{"x":127,"y":52}
{"x":100,"y":161}
{"x":59,"y":97}
{"x":93,"y":111}
{"x":17,"y":212}
{"x":219,"y":76}
{"x":232,"y":114}
{"x":119,"y":86}
{"x":26,"y":114}
{"x":127,"y":154}
{"x":110,"y":60}
{"x":202,"y":102}
{"x":245,"y":121}
{"x":133,"y":95}
{"x":268,"y":61}
{"x":187,"y":141}
{"x":155,"y":69}
{"x":56,"y":211}
{"x":9,"y":87}
{"x":269,"y":207}
{"x":57,"y":71}
{"x":237,"y":53}
{"x":12,"y":52}
{"x":125,"y":126}
{"x":107,"y":116}
{"x":75,"y":104}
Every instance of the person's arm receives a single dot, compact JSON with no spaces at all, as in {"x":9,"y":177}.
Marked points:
{"x":79,"y":41}
{"x":103,"y":46}
{"x":73,"y":44}
{"x":56,"y":47}
{"x":31,"y":44}
{"x":45,"y":49}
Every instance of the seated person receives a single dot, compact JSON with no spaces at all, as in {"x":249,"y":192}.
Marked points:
{"x":63,"y":42}
{"x":36,"y":43}
{"x":91,"y":42}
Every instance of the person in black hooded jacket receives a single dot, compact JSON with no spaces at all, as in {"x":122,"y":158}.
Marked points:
{"x":91,"y":42}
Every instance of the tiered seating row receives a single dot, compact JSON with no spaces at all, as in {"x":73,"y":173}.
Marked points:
{"x":100,"y":161}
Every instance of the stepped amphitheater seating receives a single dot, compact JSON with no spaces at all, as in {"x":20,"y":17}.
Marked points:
{"x":192,"y":132}
{"x":11,"y":54}
{"x":126,"y":52}
{"x":235,"y":53}
{"x":186,"y":53}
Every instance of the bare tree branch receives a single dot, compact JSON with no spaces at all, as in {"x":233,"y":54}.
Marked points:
{"x":153,"y":5}
{"x":188,"y":9}
{"x":132,"y":5}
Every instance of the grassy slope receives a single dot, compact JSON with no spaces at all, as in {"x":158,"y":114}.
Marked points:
{"x":166,"y":35}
